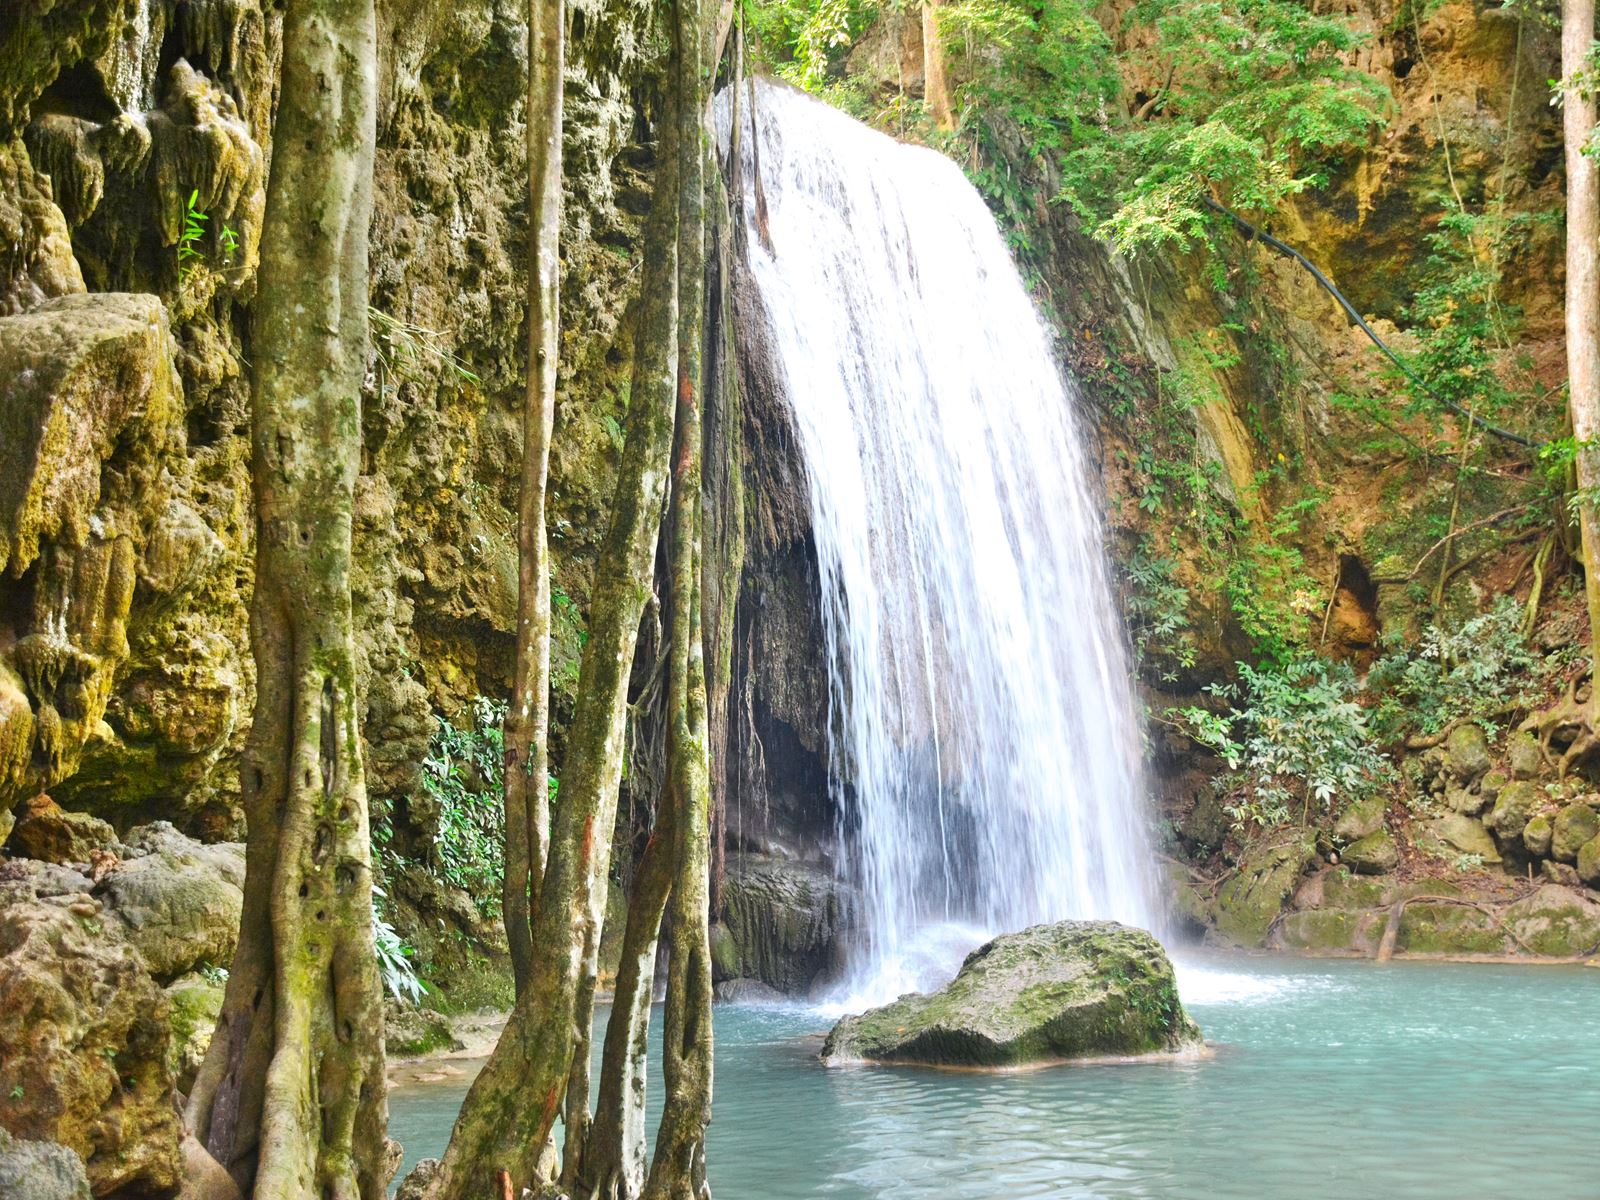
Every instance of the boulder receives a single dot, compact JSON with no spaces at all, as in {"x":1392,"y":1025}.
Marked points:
{"x":1524,"y":756}
{"x":413,"y":1032}
{"x":1251,"y":899}
{"x":1464,"y":800}
{"x":177,"y":900}
{"x":1560,"y":873}
{"x":48,"y":833}
{"x":1515,"y":806}
{"x":1455,"y":834}
{"x":1449,"y":929}
{"x":1574,"y":825}
{"x":1467,"y":752}
{"x":1536,"y":836}
{"x":40,"y":1171}
{"x":746,"y":991}
{"x":1589,"y":862}
{"x":1360,"y":819}
{"x":1206,"y":825}
{"x":781,"y":922}
{"x":85,"y":1034}
{"x":1490,"y":786}
{"x":1559,"y":921}
{"x":1050,"y":993}
{"x":1375,"y":854}
{"x":194,"y":1001}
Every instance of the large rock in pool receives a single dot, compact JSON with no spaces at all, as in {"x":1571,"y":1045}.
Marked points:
{"x":1076,"y":989}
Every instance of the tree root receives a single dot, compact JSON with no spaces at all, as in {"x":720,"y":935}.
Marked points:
{"x":1572,"y":723}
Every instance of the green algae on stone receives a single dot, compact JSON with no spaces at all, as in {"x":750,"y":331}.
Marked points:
{"x":1573,"y":826}
{"x":1253,"y":897}
{"x":1049,"y":993}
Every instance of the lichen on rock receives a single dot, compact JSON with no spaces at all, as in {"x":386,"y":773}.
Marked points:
{"x":1049,"y":993}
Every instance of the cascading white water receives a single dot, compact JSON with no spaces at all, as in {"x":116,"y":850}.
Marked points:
{"x":985,"y":749}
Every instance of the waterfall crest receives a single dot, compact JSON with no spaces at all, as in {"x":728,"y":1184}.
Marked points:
{"x":984,"y":745}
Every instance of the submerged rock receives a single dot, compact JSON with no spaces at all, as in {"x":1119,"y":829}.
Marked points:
{"x":1076,"y":989}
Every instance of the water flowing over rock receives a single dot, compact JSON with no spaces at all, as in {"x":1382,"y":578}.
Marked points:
{"x":1076,"y":989}
{"x":983,"y":743}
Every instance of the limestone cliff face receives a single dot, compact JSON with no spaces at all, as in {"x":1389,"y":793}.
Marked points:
{"x":134,"y":142}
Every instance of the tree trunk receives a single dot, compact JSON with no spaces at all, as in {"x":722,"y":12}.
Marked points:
{"x":614,"y":1162}
{"x":527,"y":809}
{"x":511,"y":1106}
{"x":1583,"y":310}
{"x":935,"y":87}
{"x":677,"y":1171}
{"x":291,"y":1098}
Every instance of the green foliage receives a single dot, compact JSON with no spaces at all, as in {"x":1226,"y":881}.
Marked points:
{"x":1479,"y":671}
{"x":1157,"y":609}
{"x":410,"y":352}
{"x":194,"y":228}
{"x":1294,"y":735}
{"x":394,"y":958}
{"x":463,"y":775}
{"x":806,"y":40}
{"x":1252,"y":99}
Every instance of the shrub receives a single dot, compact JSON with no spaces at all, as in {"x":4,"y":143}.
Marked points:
{"x":1479,"y":671}
{"x":1291,"y":735}
{"x":463,"y":775}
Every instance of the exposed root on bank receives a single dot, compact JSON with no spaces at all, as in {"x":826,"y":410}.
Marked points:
{"x":1570,"y":724}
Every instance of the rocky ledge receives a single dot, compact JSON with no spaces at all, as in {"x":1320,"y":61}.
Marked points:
{"x":1050,"y":993}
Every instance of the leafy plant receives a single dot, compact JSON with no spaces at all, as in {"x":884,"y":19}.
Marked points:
{"x":463,"y":774}
{"x":194,"y":229}
{"x":1478,"y":671}
{"x":1293,"y":735}
{"x":394,"y":958}
{"x":1158,"y":613}
{"x":409,"y":352}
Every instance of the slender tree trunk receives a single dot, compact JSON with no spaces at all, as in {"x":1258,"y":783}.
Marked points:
{"x":614,"y":1163}
{"x":1583,"y":310}
{"x":291,"y":1097}
{"x":511,"y":1106}
{"x":935,"y":87}
{"x":677,"y":1171}
{"x":527,"y":809}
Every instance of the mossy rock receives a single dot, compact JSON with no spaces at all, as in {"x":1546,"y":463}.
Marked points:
{"x":1456,"y":834}
{"x":1536,"y":835}
{"x":1375,"y":854}
{"x":1253,"y":897}
{"x":1589,"y":862}
{"x":1361,"y":819}
{"x":1573,"y":826}
{"x":196,"y":1000}
{"x":413,"y":1032}
{"x":1449,"y":929}
{"x":1344,"y":890}
{"x":1524,"y":757}
{"x":1335,"y":931}
{"x":1467,"y":752}
{"x":1561,"y":922}
{"x":1516,"y":805}
{"x":1050,"y":993}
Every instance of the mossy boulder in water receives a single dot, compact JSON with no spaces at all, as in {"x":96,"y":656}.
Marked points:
{"x":1075,"y":989}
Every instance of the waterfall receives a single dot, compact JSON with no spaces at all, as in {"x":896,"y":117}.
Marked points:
{"x":984,"y":740}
